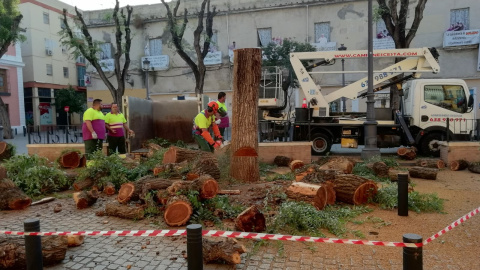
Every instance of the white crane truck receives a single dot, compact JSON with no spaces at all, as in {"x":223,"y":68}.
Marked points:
{"x":431,"y":109}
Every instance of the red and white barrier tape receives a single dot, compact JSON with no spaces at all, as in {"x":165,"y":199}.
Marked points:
{"x":453,"y":225}
{"x":249,"y":235}
{"x":213,"y":233}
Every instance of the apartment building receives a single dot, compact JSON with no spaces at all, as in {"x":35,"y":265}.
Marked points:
{"x":48,"y":65}
{"x":11,"y":86}
{"x":249,"y":23}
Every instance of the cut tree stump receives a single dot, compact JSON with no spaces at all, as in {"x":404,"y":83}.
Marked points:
{"x":424,"y":173}
{"x":393,"y":174}
{"x":282,"y":161}
{"x":109,"y":188}
{"x":225,"y":251}
{"x":251,"y":220}
{"x":247,"y":71}
{"x":409,"y":153}
{"x":70,"y":160}
{"x":313,"y":194}
{"x":178,"y":211}
{"x":84,"y":199}
{"x":12,"y":251}
{"x":296,"y":164}
{"x":341,"y":164}
{"x":115,"y":209}
{"x":177,"y":155}
{"x":431,"y":163}
{"x":458,"y":165}
{"x":12,"y":197}
{"x":380,"y":169}
{"x":354,"y":189}
{"x":83,"y":184}
{"x":205,"y":185}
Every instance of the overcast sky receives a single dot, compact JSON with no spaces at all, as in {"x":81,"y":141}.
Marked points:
{"x":104,"y":4}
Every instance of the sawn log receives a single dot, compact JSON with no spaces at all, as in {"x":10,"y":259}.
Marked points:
{"x":313,"y":194}
{"x":424,"y":173}
{"x":431,"y":163}
{"x":84,"y":199}
{"x":225,"y":251}
{"x":70,"y":159}
{"x":354,"y":189}
{"x":250,"y":220}
{"x":178,"y":211}
{"x":458,"y":165}
{"x":205,"y":185}
{"x":12,"y":197}
{"x":115,"y":209}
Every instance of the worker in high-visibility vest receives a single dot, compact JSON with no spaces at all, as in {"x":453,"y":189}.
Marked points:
{"x":201,"y":124}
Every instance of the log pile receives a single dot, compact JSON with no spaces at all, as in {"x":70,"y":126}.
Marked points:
{"x":201,"y":163}
{"x":84,"y":199}
{"x":12,"y":251}
{"x":431,"y":163}
{"x":408,"y":153}
{"x":316,"y":195}
{"x":251,"y":220}
{"x":226,"y":251}
{"x":423,"y":172}
{"x":458,"y":165}
{"x":354,"y":189}
{"x":70,"y":159}
{"x":282,"y":161}
{"x":12,"y":197}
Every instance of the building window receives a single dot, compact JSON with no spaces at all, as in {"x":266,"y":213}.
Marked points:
{"x":264,"y":36}
{"x":322,"y":32}
{"x":65,"y":72}
{"x":213,"y":42}
{"x":3,"y":81}
{"x":105,"y":51}
{"x":156,"y":46}
{"x":62,"y":24}
{"x":46,"y":18}
{"x":459,"y":19}
{"x":49,"y":69}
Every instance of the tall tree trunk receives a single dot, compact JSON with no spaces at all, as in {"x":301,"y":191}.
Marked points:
{"x":5,"y":121}
{"x":246,"y":78}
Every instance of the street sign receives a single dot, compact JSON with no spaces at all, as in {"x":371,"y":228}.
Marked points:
{"x":67,"y":108}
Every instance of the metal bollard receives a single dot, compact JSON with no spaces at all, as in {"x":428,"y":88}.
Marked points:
{"x":402,"y":194}
{"x":33,"y":245}
{"x":412,"y":256}
{"x":194,"y":247}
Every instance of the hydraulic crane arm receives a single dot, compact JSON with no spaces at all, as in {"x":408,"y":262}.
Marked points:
{"x":417,"y":61}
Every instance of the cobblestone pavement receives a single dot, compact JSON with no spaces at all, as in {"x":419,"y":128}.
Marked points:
{"x":105,"y":252}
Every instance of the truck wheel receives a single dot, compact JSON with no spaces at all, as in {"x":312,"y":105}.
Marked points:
{"x":429,"y":145}
{"x":321,"y":144}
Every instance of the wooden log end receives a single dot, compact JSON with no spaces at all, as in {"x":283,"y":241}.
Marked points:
{"x":20,"y":204}
{"x":70,"y":160}
{"x":364,"y":192}
{"x":125,"y":193}
{"x":320,"y":199}
{"x":170,"y":156}
{"x":209,"y":189}
{"x":177,"y":213}
{"x":191,"y":176}
{"x":296,"y":164}
{"x":245,"y":152}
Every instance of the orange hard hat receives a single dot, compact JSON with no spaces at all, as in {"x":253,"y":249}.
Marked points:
{"x":212,"y":106}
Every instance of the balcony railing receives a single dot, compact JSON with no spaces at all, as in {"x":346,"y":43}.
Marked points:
{"x":54,"y":134}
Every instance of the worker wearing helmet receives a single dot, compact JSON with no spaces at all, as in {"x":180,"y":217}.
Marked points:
{"x":202,"y":122}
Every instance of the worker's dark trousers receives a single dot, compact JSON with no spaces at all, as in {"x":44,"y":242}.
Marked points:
{"x":202,"y":143}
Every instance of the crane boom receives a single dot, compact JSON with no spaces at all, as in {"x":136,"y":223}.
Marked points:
{"x":417,"y":61}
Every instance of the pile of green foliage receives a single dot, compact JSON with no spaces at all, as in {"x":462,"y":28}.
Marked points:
{"x":387,"y":198}
{"x":34,"y":176}
{"x":299,"y":217}
{"x":214,"y":209}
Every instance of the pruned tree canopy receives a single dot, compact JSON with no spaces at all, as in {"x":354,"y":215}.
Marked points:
{"x":177,"y":26}
{"x":83,"y":44}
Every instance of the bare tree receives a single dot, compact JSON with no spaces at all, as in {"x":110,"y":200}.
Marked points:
{"x":86,"y":46}
{"x":177,"y":29}
{"x":394,"y":14}
{"x":10,"y":19}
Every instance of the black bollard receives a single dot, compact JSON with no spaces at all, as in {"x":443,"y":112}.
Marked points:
{"x":402,"y":194}
{"x":33,"y":245}
{"x":194,"y":247}
{"x":412,"y":256}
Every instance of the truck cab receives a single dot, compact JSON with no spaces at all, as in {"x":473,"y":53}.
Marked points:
{"x":432,"y":105}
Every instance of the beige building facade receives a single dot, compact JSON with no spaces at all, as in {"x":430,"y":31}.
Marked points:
{"x":49,"y":66}
{"x":248,"y":23}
